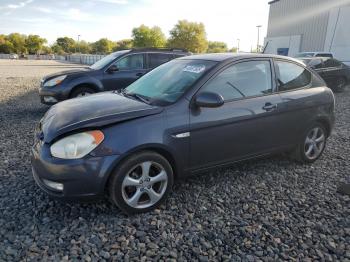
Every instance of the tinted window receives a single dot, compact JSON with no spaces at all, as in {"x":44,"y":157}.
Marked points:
{"x":332,"y":63}
{"x":324,"y":55}
{"x":241,"y":80}
{"x":292,"y":76}
{"x":158,"y":59}
{"x":130,"y":62}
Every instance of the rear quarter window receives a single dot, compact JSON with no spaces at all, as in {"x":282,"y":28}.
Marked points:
{"x":292,"y":76}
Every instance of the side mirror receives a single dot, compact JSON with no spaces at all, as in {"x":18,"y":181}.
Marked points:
{"x":209,"y":99}
{"x":112,"y":68}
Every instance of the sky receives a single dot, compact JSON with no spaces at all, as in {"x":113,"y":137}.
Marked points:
{"x":224,"y":20}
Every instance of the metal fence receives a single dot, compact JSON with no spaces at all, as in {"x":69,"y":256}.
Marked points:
{"x":79,"y":58}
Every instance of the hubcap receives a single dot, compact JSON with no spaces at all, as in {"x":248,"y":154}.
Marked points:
{"x":314,"y":143}
{"x":144,"y":185}
{"x":83,"y":94}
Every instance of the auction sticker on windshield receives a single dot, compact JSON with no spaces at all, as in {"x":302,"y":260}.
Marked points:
{"x":194,"y":68}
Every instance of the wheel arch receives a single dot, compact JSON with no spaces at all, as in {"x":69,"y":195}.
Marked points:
{"x":326,"y":123}
{"x":160,"y":149}
{"x":87,"y":84}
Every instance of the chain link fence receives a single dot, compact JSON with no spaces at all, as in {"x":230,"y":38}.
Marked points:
{"x":78,"y":58}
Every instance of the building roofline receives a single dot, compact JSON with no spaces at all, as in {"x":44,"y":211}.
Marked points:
{"x":273,"y":1}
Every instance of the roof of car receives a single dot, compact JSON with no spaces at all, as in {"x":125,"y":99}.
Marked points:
{"x":219,"y":57}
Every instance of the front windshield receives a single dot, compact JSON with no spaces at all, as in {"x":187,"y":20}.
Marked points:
{"x":169,"y":81}
{"x":106,"y":60}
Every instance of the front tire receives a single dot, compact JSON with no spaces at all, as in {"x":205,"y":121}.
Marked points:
{"x":312,"y":144}
{"x":82,"y":91}
{"x":141,"y":183}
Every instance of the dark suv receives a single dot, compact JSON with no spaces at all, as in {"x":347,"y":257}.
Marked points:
{"x":113,"y":72}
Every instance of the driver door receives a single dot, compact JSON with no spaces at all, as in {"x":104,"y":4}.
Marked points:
{"x":245,"y":126}
{"x":129,"y":69}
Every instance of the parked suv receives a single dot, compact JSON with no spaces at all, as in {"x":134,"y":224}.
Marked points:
{"x":185,"y":116}
{"x":113,"y":72}
{"x":335,"y":73}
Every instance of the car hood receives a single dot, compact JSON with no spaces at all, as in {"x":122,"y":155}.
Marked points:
{"x":68,"y":72}
{"x":91,"y":112}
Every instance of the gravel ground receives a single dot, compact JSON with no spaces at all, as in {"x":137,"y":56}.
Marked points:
{"x":270,"y":209}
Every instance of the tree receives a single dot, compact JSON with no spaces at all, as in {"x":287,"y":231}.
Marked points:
{"x":190,"y":36}
{"x":123,"y":44}
{"x":46,"y":50}
{"x":34,"y":43}
{"x":18,"y":42}
{"x":83,"y":47}
{"x":5,"y":45}
{"x":66,"y":43}
{"x":57,"y":49}
{"x":217,"y":47}
{"x":143,"y":36}
{"x":103,"y":46}
{"x":233,"y":50}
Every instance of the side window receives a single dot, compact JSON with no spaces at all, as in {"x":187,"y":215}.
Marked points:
{"x":130,"y":62}
{"x":158,"y":59}
{"x":316,"y":63}
{"x":332,"y":63}
{"x":292,"y":76}
{"x":245,"y":79}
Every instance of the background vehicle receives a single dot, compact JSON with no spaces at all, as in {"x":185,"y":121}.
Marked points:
{"x":313,"y":54}
{"x":113,"y":72}
{"x":335,"y":73}
{"x":13,"y":56}
{"x":188,"y":115}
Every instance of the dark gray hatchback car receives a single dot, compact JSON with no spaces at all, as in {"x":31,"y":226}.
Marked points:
{"x":188,"y":115}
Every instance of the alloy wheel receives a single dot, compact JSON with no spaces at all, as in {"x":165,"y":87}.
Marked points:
{"x":314,"y":143}
{"x":144,"y":185}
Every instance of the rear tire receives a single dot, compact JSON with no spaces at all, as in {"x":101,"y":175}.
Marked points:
{"x":141,"y":182}
{"x":82,"y":91}
{"x":311,"y":145}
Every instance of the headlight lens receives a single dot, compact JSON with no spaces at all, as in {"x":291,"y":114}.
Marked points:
{"x":77,"y":145}
{"x":55,"y":81}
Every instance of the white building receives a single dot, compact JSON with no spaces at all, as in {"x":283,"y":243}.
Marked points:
{"x":309,"y":25}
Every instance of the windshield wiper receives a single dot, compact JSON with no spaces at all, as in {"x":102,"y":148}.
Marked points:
{"x":134,"y":95}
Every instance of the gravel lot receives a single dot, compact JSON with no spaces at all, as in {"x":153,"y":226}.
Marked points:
{"x":271,"y":209}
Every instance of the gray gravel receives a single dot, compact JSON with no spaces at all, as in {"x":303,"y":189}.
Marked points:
{"x":271,"y":209}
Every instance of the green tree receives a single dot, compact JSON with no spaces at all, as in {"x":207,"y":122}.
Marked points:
{"x":144,"y":36}
{"x":57,"y":49}
{"x":217,"y":47}
{"x":18,"y":42}
{"x":34,"y":43}
{"x":233,"y":50}
{"x":46,"y":50}
{"x":5,"y":45}
{"x":189,"y":35}
{"x":83,"y":47}
{"x":102,"y":46}
{"x":123,"y":44}
{"x":66,"y":43}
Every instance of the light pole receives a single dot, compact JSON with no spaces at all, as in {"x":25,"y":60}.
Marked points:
{"x":78,"y":44}
{"x":258,"y":44}
{"x":238,"y":40}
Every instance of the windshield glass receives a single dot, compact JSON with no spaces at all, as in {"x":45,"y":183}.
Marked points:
{"x":106,"y":60}
{"x":169,"y":81}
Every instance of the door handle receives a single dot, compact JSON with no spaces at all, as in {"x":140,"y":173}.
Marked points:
{"x":269,"y":107}
{"x":139,"y":74}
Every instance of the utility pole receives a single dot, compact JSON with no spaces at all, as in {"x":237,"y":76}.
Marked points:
{"x":258,"y":44}
{"x":78,"y":44}
{"x":238,"y":40}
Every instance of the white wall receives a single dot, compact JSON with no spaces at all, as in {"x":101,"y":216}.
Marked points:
{"x":291,"y":42}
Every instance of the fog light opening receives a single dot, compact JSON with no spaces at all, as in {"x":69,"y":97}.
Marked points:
{"x":53,"y":185}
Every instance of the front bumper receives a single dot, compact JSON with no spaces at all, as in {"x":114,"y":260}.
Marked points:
{"x":84,"y":178}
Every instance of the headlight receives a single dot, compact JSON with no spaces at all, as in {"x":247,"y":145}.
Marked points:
{"x":77,"y":145}
{"x":55,"y":81}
